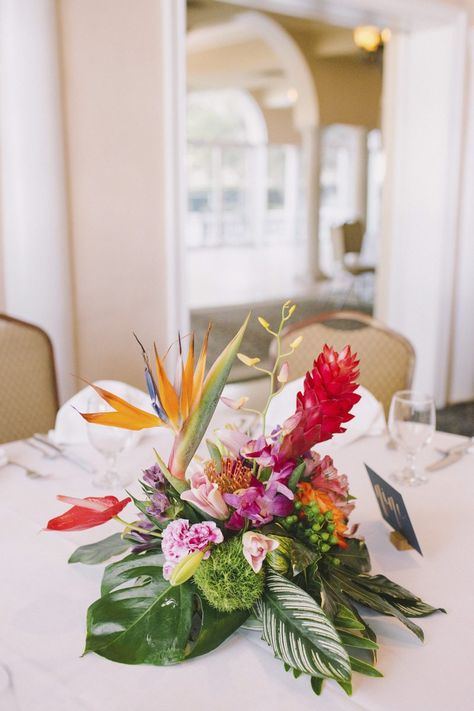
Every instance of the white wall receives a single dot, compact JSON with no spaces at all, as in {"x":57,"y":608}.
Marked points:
{"x":423,"y":130}
{"x":34,"y":266}
{"x":123,"y":80}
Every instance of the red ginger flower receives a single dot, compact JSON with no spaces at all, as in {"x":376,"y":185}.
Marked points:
{"x":325,"y":403}
{"x":86,"y":513}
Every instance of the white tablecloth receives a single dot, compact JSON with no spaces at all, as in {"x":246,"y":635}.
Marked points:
{"x":43,"y":603}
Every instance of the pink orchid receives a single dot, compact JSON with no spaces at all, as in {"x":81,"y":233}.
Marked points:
{"x":258,"y":504}
{"x":206,"y":496}
{"x":233,"y":440}
{"x":255,"y":548}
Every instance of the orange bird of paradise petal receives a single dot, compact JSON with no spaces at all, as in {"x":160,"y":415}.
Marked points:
{"x":124,"y":415}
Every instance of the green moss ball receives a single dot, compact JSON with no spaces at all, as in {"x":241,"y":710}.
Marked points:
{"x":226,"y":579}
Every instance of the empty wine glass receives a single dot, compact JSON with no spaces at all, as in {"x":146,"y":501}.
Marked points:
{"x":411,"y":423}
{"x":109,"y":441}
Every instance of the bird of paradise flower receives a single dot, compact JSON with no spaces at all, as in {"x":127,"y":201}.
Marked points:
{"x":186,"y":407}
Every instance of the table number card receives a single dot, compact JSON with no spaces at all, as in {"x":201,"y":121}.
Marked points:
{"x":393,"y":509}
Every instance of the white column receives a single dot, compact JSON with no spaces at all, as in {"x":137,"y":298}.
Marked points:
{"x":424,"y":94}
{"x":462,"y":358}
{"x":360,"y":174}
{"x":124,"y":89}
{"x":311,"y":165}
{"x":34,"y":225}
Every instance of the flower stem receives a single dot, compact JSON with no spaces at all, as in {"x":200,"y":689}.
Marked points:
{"x":132,"y":527}
{"x":284,"y":317}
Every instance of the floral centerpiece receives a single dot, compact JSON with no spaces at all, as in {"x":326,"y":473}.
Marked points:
{"x":255,"y":533}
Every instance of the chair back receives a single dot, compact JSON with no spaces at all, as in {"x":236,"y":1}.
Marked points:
{"x":28,"y":390}
{"x":387,"y":359}
{"x":353,"y":236}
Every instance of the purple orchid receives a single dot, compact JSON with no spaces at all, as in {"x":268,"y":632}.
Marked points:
{"x":258,"y":504}
{"x":153,"y":476}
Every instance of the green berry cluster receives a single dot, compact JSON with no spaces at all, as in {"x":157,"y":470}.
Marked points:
{"x":316,"y":528}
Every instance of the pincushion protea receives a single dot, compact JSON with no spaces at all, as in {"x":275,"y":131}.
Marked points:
{"x":325,"y":402}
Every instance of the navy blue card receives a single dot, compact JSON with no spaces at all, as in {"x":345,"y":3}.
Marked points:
{"x":393,"y":509}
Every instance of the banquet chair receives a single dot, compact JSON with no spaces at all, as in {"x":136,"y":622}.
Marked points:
{"x":28,"y":389}
{"x":387,"y":359}
{"x":347,"y":241}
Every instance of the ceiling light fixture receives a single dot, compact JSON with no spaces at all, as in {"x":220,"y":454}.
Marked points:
{"x":370,"y":38}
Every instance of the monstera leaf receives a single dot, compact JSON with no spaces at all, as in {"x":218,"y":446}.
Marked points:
{"x":142,"y":619}
{"x":98,"y":552}
{"x":299,"y":632}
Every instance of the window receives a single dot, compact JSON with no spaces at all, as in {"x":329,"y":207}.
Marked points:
{"x":241,"y":191}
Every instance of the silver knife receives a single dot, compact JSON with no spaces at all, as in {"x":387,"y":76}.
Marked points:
{"x":446,"y":461}
{"x":86,"y":466}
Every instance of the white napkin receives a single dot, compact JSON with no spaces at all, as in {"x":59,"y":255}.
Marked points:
{"x":71,"y":428}
{"x":3,"y":457}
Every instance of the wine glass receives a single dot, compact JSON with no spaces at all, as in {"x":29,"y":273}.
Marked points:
{"x":411,"y":423}
{"x":109,"y":441}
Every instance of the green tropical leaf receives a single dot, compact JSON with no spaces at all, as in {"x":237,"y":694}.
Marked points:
{"x":415,"y":609}
{"x":317,"y":684}
{"x":299,"y":632}
{"x":153,"y":622}
{"x":296,"y":475}
{"x":188,"y":439}
{"x":347,"y":616}
{"x":134,"y":566}
{"x":401,"y":598}
{"x":356,"y":641}
{"x":374,"y":601}
{"x":215,"y":627}
{"x":100,"y":551}
{"x":355,"y":556}
{"x":346,"y":620}
{"x":279,"y":559}
{"x":346,"y":686}
{"x":215,"y":455}
{"x":382,"y":585}
{"x":143,"y":507}
{"x":148,"y":624}
{"x":290,"y":552}
{"x":358,"y":665}
{"x":178,"y":485}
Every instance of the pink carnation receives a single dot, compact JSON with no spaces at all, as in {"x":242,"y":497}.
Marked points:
{"x":180,"y":539}
{"x":201,"y":534}
{"x":175,"y":540}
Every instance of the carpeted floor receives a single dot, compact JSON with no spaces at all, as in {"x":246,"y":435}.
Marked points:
{"x":227,"y":320}
{"x":458,"y":419}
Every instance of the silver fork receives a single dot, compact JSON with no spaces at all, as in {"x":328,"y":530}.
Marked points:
{"x":31,"y":473}
{"x":48,"y":453}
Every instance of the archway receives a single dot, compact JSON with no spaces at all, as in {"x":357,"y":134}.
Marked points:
{"x":246,"y":30}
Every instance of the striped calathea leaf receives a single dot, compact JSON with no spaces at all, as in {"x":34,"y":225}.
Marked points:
{"x":299,"y":632}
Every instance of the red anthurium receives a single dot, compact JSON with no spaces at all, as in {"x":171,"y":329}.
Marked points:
{"x":87,"y":513}
{"x":325,"y":403}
